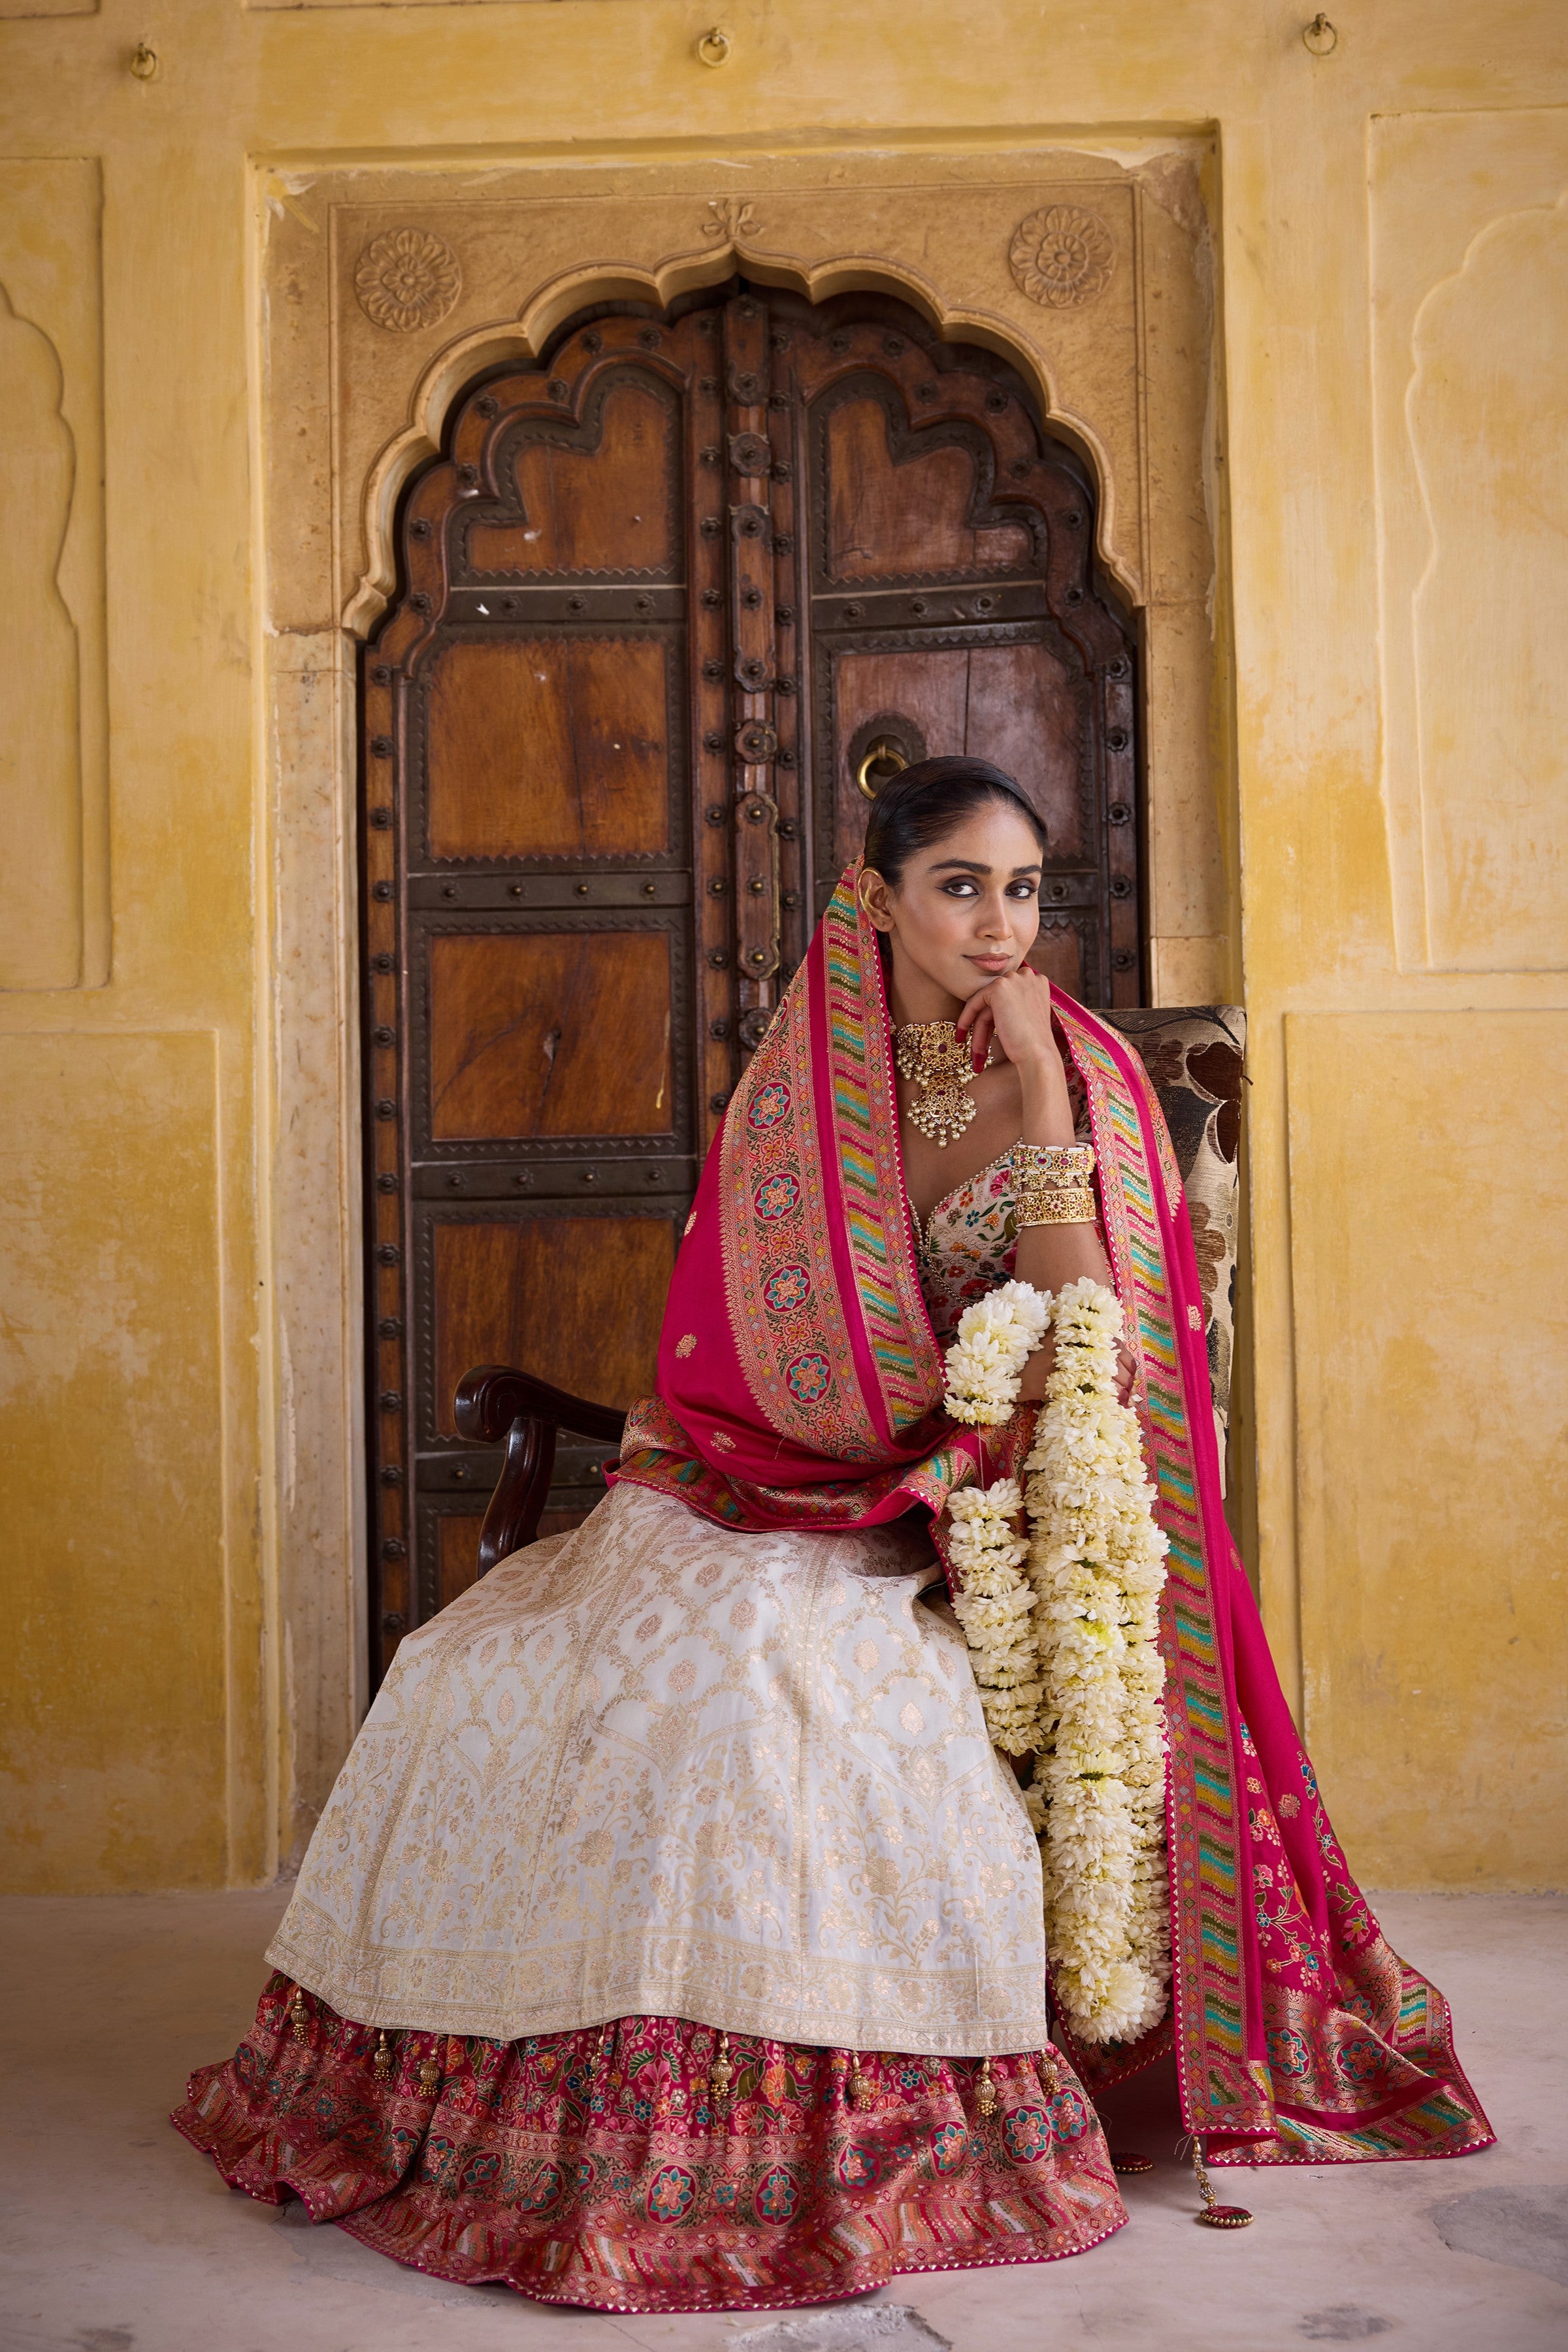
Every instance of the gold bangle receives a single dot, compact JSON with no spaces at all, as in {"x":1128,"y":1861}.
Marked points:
{"x":1057,"y":1205}
{"x":1053,"y":1163}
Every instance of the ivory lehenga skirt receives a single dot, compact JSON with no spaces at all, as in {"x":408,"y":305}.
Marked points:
{"x":672,"y":1940}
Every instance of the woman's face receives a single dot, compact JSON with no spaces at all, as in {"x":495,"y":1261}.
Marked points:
{"x":967,"y":908}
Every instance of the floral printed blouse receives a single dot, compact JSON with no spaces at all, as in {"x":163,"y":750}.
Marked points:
{"x":971,"y":1237}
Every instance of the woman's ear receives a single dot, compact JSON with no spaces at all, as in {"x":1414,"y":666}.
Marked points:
{"x":873,"y":897}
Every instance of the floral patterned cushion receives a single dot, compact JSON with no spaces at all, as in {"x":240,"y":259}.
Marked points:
{"x":1193,"y":1054}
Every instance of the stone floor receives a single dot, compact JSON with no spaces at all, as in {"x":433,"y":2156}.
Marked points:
{"x":116,"y":2237}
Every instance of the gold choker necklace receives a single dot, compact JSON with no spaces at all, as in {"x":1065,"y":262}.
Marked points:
{"x":929,"y":1057}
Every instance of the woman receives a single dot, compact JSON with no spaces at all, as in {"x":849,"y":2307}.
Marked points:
{"x":672,"y":1939}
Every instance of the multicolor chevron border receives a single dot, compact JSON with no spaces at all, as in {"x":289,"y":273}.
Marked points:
{"x":1221,"y":2088}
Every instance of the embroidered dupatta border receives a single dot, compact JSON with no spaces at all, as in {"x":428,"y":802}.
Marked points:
{"x":657,"y":1452}
{"x":786,"y":1316}
{"x":862,"y":1112}
{"x":820,"y":1271}
{"x":1222,"y":2085}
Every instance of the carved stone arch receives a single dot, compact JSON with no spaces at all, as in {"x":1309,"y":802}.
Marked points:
{"x":522,"y":342}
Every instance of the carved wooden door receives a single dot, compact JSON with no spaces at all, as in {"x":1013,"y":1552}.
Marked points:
{"x":675,"y":604}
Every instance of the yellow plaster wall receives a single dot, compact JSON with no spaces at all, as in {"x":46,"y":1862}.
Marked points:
{"x":1434,"y":1618}
{"x":1386,"y":769}
{"x":112,"y":1731}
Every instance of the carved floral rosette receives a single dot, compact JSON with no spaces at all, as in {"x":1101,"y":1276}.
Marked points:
{"x":406,"y":278}
{"x":1062,"y":256}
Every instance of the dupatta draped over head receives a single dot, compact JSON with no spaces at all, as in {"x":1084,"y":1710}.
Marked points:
{"x":800,"y":1385}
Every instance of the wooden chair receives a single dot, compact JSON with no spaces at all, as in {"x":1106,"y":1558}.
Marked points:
{"x":494,"y":1403}
{"x":1193,"y":1054}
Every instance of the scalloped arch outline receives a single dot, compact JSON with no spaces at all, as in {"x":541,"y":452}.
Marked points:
{"x":524,"y":336}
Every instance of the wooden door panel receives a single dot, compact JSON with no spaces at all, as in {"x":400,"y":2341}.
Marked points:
{"x":1065,"y":953}
{"x":552,"y":747}
{"x":1029,"y":713}
{"x":1016,"y":705}
{"x":609,"y":504}
{"x":551,"y":1034}
{"x":456,"y":1546}
{"x":576,"y":1298}
{"x":892,"y":515}
{"x":927,"y":684}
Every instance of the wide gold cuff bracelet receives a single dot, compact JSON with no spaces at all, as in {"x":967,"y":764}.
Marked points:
{"x":1053,"y":1163}
{"x":1056,"y":1205}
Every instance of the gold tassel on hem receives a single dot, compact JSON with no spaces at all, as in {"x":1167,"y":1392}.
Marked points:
{"x":721,"y":2073}
{"x":298,"y":2015}
{"x":1213,"y":2216}
{"x":862,"y":2090}
{"x":381,"y":2070}
{"x":985,"y":2101}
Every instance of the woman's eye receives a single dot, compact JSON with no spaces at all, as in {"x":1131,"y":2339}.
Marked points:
{"x":1023,"y":889}
{"x":959,"y":888}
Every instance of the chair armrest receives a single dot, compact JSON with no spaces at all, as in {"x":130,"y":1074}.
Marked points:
{"x":490,"y":1398}
{"x":494,"y":1402}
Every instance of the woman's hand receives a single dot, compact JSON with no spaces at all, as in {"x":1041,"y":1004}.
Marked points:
{"x":1015,"y":1011}
{"x":1038,"y":1371}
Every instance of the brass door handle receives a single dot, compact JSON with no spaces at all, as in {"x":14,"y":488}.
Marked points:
{"x":881,"y":762}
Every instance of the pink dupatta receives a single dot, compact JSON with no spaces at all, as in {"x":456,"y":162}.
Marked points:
{"x":800,"y":1384}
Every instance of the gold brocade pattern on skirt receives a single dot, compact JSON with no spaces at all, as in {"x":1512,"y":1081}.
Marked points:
{"x":656,"y":1767}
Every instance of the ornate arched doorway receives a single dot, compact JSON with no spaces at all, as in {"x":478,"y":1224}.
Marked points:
{"x":674,"y":602}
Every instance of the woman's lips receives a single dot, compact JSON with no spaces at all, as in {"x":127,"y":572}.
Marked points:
{"x":990,"y":963}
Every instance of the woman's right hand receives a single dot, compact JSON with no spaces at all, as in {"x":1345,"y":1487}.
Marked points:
{"x":1038,"y":1371}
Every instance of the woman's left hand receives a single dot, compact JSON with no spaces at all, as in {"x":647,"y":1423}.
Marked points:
{"x":1014,"y":1009}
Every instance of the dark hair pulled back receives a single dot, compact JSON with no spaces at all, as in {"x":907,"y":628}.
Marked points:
{"x":923,"y":804}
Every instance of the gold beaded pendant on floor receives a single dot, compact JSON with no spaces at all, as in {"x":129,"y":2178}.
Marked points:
{"x":1214,"y":2216}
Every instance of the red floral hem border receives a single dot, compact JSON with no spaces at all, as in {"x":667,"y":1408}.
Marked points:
{"x":598,"y":2167}
{"x":775,"y":2299}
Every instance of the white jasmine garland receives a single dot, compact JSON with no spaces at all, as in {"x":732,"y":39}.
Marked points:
{"x":1095,"y":1568}
{"x":996,"y":1338}
{"x":995,"y":1609}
